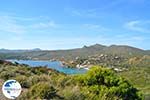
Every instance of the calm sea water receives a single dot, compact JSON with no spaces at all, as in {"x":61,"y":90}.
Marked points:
{"x":54,"y":65}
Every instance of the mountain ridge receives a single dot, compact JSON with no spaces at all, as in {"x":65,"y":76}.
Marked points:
{"x":85,"y":51}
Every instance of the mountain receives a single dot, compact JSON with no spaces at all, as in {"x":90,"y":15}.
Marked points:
{"x":85,"y":51}
{"x":124,"y":50}
{"x":18,"y":51}
{"x":35,"y":49}
{"x":96,"y":46}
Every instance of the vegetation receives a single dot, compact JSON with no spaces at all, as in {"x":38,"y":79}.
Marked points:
{"x":44,"y":83}
{"x":41,"y":91}
{"x":97,"y":49}
{"x":139,"y":77}
{"x":104,"y":83}
{"x":130,"y":79}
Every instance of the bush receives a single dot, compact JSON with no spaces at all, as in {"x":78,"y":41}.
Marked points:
{"x":72,"y":93}
{"x":97,"y":79}
{"x":39,"y":70}
{"x":23,"y":80}
{"x":38,"y":78}
{"x":7,"y":75}
{"x":42,"y":91}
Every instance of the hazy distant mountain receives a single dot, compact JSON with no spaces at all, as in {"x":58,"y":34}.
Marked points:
{"x":85,"y":51}
{"x":35,"y":49}
{"x":18,"y":51}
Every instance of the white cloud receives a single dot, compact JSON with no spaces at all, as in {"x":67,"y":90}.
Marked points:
{"x":138,"y":26}
{"x":9,"y":25}
{"x":43,"y":25}
{"x":90,"y":13}
{"x":96,"y":27}
{"x":96,"y":12}
{"x":19,"y":26}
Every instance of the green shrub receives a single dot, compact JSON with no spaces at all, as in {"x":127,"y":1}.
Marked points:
{"x":72,"y":93}
{"x":39,"y":70}
{"x":23,"y":80}
{"x":38,"y":78}
{"x":42,"y":91}
{"x":97,"y":79}
{"x":7,"y":75}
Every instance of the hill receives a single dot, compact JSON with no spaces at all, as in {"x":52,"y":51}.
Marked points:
{"x":44,"y":83}
{"x":18,"y":51}
{"x":71,"y":54}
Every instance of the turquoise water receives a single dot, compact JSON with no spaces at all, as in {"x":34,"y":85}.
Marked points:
{"x":54,"y":65}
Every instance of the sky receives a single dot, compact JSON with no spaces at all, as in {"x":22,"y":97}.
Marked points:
{"x":66,"y":24}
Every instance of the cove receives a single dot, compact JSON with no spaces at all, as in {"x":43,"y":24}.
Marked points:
{"x":51,"y":64}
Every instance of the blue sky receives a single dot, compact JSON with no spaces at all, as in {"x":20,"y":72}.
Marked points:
{"x":64,"y":24}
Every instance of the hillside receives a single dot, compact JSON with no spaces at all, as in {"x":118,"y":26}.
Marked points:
{"x":44,"y":83}
{"x":120,"y":50}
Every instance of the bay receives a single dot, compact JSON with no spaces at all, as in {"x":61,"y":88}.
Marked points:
{"x":51,"y":64}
